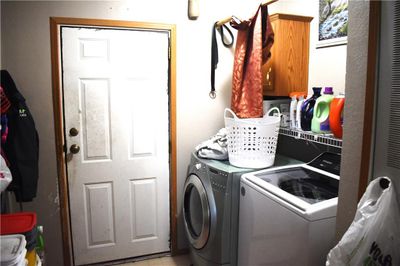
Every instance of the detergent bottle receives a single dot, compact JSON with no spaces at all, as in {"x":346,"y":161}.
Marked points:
{"x":336,"y":116}
{"x":307,"y":109}
{"x":296,"y":96}
{"x":320,"y":120}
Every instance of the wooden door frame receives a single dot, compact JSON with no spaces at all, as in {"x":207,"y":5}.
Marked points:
{"x":55,"y":23}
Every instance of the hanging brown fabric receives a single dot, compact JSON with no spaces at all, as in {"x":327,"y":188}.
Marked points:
{"x":254,"y":41}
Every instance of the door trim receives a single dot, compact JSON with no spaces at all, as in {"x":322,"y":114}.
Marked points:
{"x":55,"y":23}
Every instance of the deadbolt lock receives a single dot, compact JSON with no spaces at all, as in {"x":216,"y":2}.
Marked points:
{"x":73,"y":132}
{"x":74,"y":148}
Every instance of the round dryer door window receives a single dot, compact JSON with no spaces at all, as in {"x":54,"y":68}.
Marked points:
{"x":196,"y":212}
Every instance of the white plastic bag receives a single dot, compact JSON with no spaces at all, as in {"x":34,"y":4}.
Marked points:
{"x":374,"y":236}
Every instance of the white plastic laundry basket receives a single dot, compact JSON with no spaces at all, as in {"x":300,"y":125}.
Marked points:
{"x":252,"y":141}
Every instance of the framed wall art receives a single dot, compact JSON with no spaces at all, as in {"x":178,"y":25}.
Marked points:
{"x":333,"y":22}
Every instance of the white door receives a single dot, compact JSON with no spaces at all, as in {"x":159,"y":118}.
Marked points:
{"x":115,"y":85}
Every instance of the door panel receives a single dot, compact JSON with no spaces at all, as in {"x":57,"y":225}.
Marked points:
{"x":115,"y":85}
{"x":144,"y":216}
{"x":94,"y":48}
{"x":142,"y":137}
{"x":99,"y":214}
{"x":95,"y":105}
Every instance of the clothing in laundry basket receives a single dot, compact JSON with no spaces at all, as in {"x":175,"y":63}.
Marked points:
{"x":214,"y":148}
{"x":254,"y":41}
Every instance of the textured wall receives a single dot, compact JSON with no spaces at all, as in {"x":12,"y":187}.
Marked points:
{"x":356,"y":77}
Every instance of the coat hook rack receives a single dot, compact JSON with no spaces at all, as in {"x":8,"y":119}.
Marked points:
{"x":228,"y":19}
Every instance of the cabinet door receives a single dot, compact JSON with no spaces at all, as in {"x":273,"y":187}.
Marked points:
{"x":287,"y":69}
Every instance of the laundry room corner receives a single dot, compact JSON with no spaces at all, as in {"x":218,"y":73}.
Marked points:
{"x":25,"y":46}
{"x":194,"y":140}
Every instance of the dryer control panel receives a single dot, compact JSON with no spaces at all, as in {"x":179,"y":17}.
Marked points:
{"x":218,"y":180}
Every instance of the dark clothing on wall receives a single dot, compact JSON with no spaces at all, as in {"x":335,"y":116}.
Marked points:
{"x":22,"y":144}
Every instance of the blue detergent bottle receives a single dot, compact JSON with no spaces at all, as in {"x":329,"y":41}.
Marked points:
{"x":307,"y":109}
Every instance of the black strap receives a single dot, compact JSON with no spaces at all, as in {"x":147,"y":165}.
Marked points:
{"x":214,"y":51}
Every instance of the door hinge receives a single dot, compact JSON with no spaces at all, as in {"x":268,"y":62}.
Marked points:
{"x":65,"y":148}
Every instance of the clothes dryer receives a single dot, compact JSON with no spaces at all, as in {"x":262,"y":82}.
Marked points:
{"x":210,"y":208}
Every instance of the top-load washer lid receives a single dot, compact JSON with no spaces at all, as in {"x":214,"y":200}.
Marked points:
{"x":310,"y":190}
{"x":303,"y":183}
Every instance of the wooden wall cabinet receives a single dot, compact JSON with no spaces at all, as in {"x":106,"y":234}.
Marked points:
{"x":287,"y":69}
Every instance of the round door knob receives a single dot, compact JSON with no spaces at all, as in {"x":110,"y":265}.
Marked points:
{"x":73,"y":132}
{"x":74,"y":148}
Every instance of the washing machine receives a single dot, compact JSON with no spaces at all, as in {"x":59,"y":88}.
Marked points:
{"x":288,"y":214}
{"x":210,"y":208}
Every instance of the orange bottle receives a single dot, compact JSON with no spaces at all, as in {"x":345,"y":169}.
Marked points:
{"x":336,"y":116}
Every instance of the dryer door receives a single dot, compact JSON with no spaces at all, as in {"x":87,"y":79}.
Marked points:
{"x":196,"y":211}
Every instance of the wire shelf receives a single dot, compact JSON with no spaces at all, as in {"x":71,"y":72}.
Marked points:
{"x":326,"y":139}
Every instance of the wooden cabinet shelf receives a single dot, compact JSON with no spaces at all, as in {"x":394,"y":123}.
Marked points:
{"x":287,"y":69}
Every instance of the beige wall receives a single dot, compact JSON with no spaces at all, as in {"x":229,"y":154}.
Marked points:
{"x":25,"y":53}
{"x":356,"y":81}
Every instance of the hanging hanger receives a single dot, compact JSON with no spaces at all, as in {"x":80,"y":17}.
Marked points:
{"x":228,"y":19}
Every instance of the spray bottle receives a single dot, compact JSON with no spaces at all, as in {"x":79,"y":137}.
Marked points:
{"x":298,"y":111}
{"x":292,"y":114}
